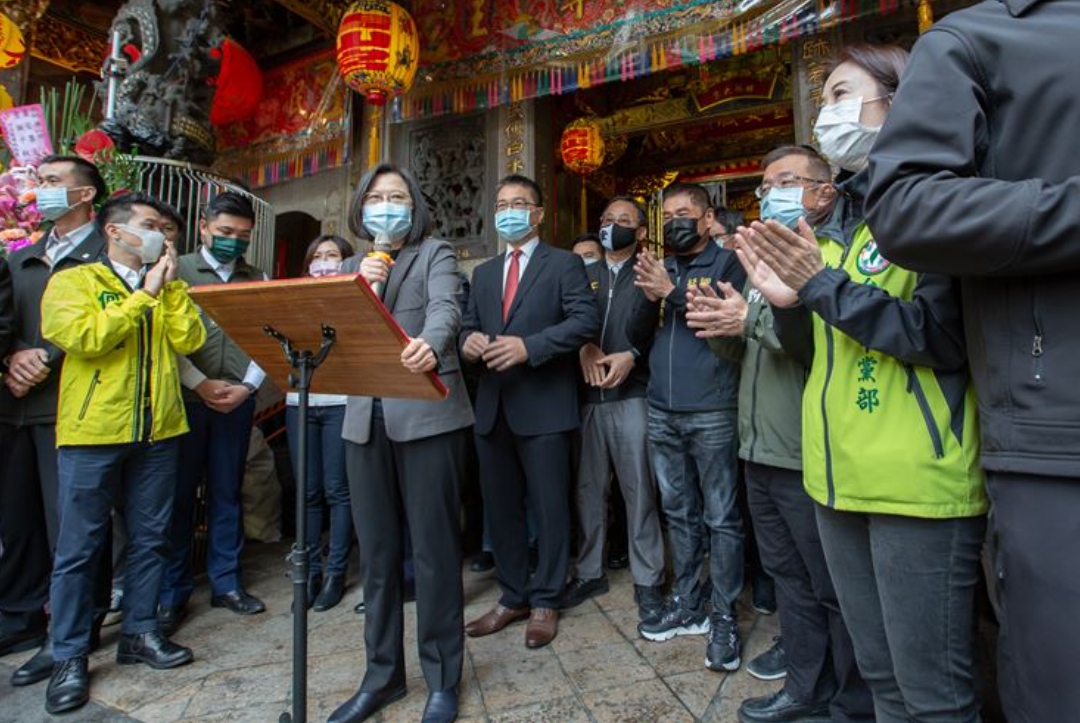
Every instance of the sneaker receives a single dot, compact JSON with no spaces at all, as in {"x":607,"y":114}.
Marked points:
{"x":676,"y":618}
{"x":650,"y":602}
{"x":763,"y":595}
{"x":722,"y":650}
{"x":116,"y":608}
{"x":578,"y":591}
{"x":770,"y":665}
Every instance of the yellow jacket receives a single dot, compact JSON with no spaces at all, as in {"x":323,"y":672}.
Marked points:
{"x":119,"y":382}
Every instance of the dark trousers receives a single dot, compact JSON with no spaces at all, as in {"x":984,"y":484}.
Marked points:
{"x":326,"y":482}
{"x":1037,"y":534}
{"x":409,"y":488}
{"x":821,"y":663}
{"x":29,"y":520}
{"x":906,"y":586}
{"x":217,"y":445}
{"x":91,"y":478}
{"x":515,"y":471}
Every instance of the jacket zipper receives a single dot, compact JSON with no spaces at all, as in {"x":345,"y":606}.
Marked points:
{"x":603,"y":327}
{"x":1037,"y":343}
{"x":94,"y":381}
{"x":830,"y":483}
{"x":915,"y":387}
{"x":753,"y":402}
{"x":150,"y":386}
{"x":671,"y":345}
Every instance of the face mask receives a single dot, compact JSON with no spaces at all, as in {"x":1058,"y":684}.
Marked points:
{"x":588,"y":261}
{"x":52,"y":203}
{"x":227,"y":248}
{"x":153,"y":243}
{"x":392,"y":220}
{"x":513,"y":224}
{"x":615,"y":238}
{"x":682,"y":234}
{"x":783,"y":205}
{"x":324,"y":268}
{"x":842,"y":138}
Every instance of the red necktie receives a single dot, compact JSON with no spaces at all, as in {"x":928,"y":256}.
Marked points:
{"x":511,"y":286}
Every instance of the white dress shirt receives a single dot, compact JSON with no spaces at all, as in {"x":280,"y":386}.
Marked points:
{"x":132,"y":277}
{"x":527,"y":249}
{"x":58,"y":247}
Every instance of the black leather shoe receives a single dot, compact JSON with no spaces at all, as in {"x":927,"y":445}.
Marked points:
{"x":441,"y":707}
{"x":154,"y":649}
{"x":169,"y":618}
{"x":782,"y":708}
{"x":333,"y":589}
{"x":483,"y":562}
{"x":314,"y":586}
{"x":239,"y":602}
{"x":69,"y":686}
{"x":361,"y":608}
{"x":363,"y":705}
{"x":36,"y":669}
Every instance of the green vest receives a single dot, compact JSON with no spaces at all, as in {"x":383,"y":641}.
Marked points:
{"x":219,"y":357}
{"x":878,"y":434}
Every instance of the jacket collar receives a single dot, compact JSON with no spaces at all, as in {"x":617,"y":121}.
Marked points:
{"x":1019,"y":7}
{"x":705,"y":258}
{"x":848,"y":213}
{"x":399,"y":271}
{"x":92,"y":248}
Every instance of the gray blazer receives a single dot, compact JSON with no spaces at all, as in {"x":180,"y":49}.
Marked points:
{"x":422,"y":295}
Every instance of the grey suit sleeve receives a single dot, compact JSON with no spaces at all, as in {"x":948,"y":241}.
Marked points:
{"x":930,"y":207}
{"x":581,"y":317}
{"x":442,"y":319}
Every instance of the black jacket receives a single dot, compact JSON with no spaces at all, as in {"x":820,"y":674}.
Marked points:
{"x":685,"y":374}
{"x":30,"y":275}
{"x":555,"y":313}
{"x":975,"y":174}
{"x":7,"y":310}
{"x":617,"y":297}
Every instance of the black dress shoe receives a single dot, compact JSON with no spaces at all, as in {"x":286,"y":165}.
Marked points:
{"x":314,"y":585}
{"x":361,"y":608}
{"x":169,"y":618}
{"x":154,"y":649}
{"x":333,"y":589}
{"x":482,"y":562}
{"x":69,"y":686}
{"x":239,"y":602}
{"x":441,"y":707}
{"x":363,"y":705}
{"x":618,"y":560}
{"x":36,"y":669}
{"x":782,"y":708}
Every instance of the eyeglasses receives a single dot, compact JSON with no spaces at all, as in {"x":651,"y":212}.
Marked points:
{"x":517,"y":204}
{"x":396,"y":197}
{"x":789,"y":180}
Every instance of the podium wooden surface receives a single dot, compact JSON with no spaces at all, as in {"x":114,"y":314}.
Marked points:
{"x":366,"y":358}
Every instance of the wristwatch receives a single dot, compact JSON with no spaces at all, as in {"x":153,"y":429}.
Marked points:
{"x":251,"y":388}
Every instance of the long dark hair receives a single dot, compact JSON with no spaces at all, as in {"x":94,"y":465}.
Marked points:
{"x":422,"y":220}
{"x":884,"y":63}
{"x":344,"y":247}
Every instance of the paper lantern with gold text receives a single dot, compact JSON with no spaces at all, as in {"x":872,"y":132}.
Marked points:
{"x":582,"y":151}
{"x":12,"y":45}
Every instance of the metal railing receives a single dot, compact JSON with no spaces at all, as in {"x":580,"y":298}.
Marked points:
{"x":189,"y":188}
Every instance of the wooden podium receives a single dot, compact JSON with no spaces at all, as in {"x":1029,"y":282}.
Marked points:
{"x":289,"y":328}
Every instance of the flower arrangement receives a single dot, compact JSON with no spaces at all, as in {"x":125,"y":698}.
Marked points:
{"x":20,"y":219}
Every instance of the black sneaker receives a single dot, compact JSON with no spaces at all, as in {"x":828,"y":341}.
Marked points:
{"x":722,"y":650}
{"x":578,"y":591}
{"x":650,"y":602}
{"x":676,"y":618}
{"x":770,"y":665}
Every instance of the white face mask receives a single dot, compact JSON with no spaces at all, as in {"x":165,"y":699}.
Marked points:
{"x":324,"y":268}
{"x":841,"y":137}
{"x":153,"y":243}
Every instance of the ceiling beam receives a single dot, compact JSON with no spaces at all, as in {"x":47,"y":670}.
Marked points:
{"x":323,"y":14}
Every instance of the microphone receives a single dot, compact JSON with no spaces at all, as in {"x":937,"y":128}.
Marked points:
{"x":382,"y":250}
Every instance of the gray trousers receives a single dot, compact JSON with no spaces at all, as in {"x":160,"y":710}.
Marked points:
{"x":614,"y":434}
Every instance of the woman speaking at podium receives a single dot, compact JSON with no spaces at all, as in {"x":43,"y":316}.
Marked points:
{"x":404,"y":457}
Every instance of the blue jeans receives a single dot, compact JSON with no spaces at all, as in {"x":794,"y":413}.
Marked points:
{"x":325,"y":481}
{"x":91,"y":479}
{"x":694,"y":457}
{"x":906,"y":587}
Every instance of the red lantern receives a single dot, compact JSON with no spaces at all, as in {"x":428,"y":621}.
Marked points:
{"x":239,"y":85}
{"x":582,"y":146}
{"x":377,"y":49}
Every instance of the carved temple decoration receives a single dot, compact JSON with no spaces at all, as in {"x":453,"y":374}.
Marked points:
{"x":68,"y":46}
{"x":323,"y":14}
{"x":24,"y":13}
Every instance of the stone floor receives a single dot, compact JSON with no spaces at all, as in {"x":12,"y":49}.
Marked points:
{"x":597,"y":670}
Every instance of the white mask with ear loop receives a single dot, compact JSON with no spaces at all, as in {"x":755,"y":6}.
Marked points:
{"x":841,"y":137}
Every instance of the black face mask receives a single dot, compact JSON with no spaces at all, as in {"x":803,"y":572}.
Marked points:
{"x":615,"y":238}
{"x":682,"y":234}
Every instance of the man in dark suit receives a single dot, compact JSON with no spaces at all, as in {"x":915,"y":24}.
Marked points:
{"x":68,"y":186}
{"x":530,"y":311}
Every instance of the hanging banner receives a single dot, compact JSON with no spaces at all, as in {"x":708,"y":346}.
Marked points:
{"x":480,"y":54}
{"x":25,"y":133}
{"x":301,"y":126}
